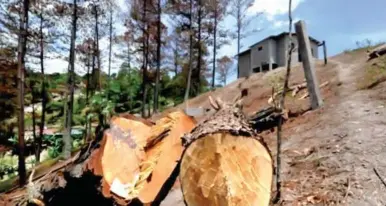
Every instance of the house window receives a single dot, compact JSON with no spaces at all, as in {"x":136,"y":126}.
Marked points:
{"x":256,"y":70}
{"x":312,"y":52}
{"x":260,"y":48}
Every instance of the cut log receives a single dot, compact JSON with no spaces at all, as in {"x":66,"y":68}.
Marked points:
{"x":166,"y":154}
{"x":135,"y":162}
{"x":137,"y":159}
{"x":225,"y":162}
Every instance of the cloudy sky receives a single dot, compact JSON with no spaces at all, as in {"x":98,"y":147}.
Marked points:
{"x":341,"y":23}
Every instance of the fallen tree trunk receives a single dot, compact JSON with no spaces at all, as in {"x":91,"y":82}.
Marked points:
{"x":376,"y":52}
{"x":225,"y":162}
{"x":135,"y":162}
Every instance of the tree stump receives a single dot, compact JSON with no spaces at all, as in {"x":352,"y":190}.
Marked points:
{"x":224,"y":162}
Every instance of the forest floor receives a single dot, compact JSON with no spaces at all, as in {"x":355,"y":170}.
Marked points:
{"x":330,"y":155}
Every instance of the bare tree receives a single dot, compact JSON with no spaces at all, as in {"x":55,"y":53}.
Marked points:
{"x":23,"y":28}
{"x":188,"y":84}
{"x":67,"y":140}
{"x":158,"y":71}
{"x":239,"y":10}
{"x":282,"y":106}
{"x":224,"y":65}
{"x":144,"y":61}
{"x":110,"y":46}
{"x":218,"y":7}
{"x":38,"y":143}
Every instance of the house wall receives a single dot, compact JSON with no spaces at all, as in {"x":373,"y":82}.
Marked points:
{"x":282,"y":50}
{"x":315,"y":47}
{"x":266,"y":55}
{"x":245,"y":64}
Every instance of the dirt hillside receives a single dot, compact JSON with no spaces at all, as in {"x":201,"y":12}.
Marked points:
{"x":330,"y":154}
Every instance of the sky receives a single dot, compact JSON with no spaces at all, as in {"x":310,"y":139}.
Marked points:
{"x":341,"y":23}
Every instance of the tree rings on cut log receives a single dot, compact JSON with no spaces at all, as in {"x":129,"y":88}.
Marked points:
{"x":225,"y":163}
{"x":222,"y":169}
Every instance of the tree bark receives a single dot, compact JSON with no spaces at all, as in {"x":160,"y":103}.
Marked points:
{"x":238,"y":36}
{"x":89,"y":56}
{"x":227,"y":155}
{"x":110,"y":50}
{"x":97,"y":70}
{"x":158,"y":71}
{"x":67,"y":140}
{"x":189,"y":78}
{"x":88,"y":91}
{"x":199,"y":56}
{"x":144,"y":69}
{"x":34,"y":123}
{"x":214,"y":44}
{"x":22,"y":44}
{"x":43,"y":89}
{"x":175,"y":62}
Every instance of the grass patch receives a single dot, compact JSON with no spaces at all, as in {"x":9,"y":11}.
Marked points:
{"x":276,"y":81}
{"x":374,"y":74}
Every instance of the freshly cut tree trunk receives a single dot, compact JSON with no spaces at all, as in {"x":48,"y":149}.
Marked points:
{"x":137,"y":158}
{"x":225,"y":163}
{"x":136,"y":161}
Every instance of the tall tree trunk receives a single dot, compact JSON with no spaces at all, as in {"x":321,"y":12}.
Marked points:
{"x":198,"y":74}
{"x":144,"y":69}
{"x":89,"y":56}
{"x":67,"y":140}
{"x":34,"y":120}
{"x":238,"y":36}
{"x":175,"y":61}
{"x":158,"y":71}
{"x":214,"y":45}
{"x":188,"y":84}
{"x":88,"y":89}
{"x":43,"y":90}
{"x":128,"y":57}
{"x":23,"y":30}
{"x":110,"y":50}
{"x":93,"y":84}
{"x":97,"y":72}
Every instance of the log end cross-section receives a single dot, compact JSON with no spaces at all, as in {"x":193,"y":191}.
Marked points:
{"x":225,"y":162}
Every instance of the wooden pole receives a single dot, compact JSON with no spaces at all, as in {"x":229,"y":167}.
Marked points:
{"x":308,"y":64}
{"x":325,"y":52}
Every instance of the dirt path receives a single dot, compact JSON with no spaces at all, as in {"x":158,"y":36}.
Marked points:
{"x":329,"y":155}
{"x":341,"y":146}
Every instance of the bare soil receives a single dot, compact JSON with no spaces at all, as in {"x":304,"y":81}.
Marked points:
{"x":330,"y":154}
